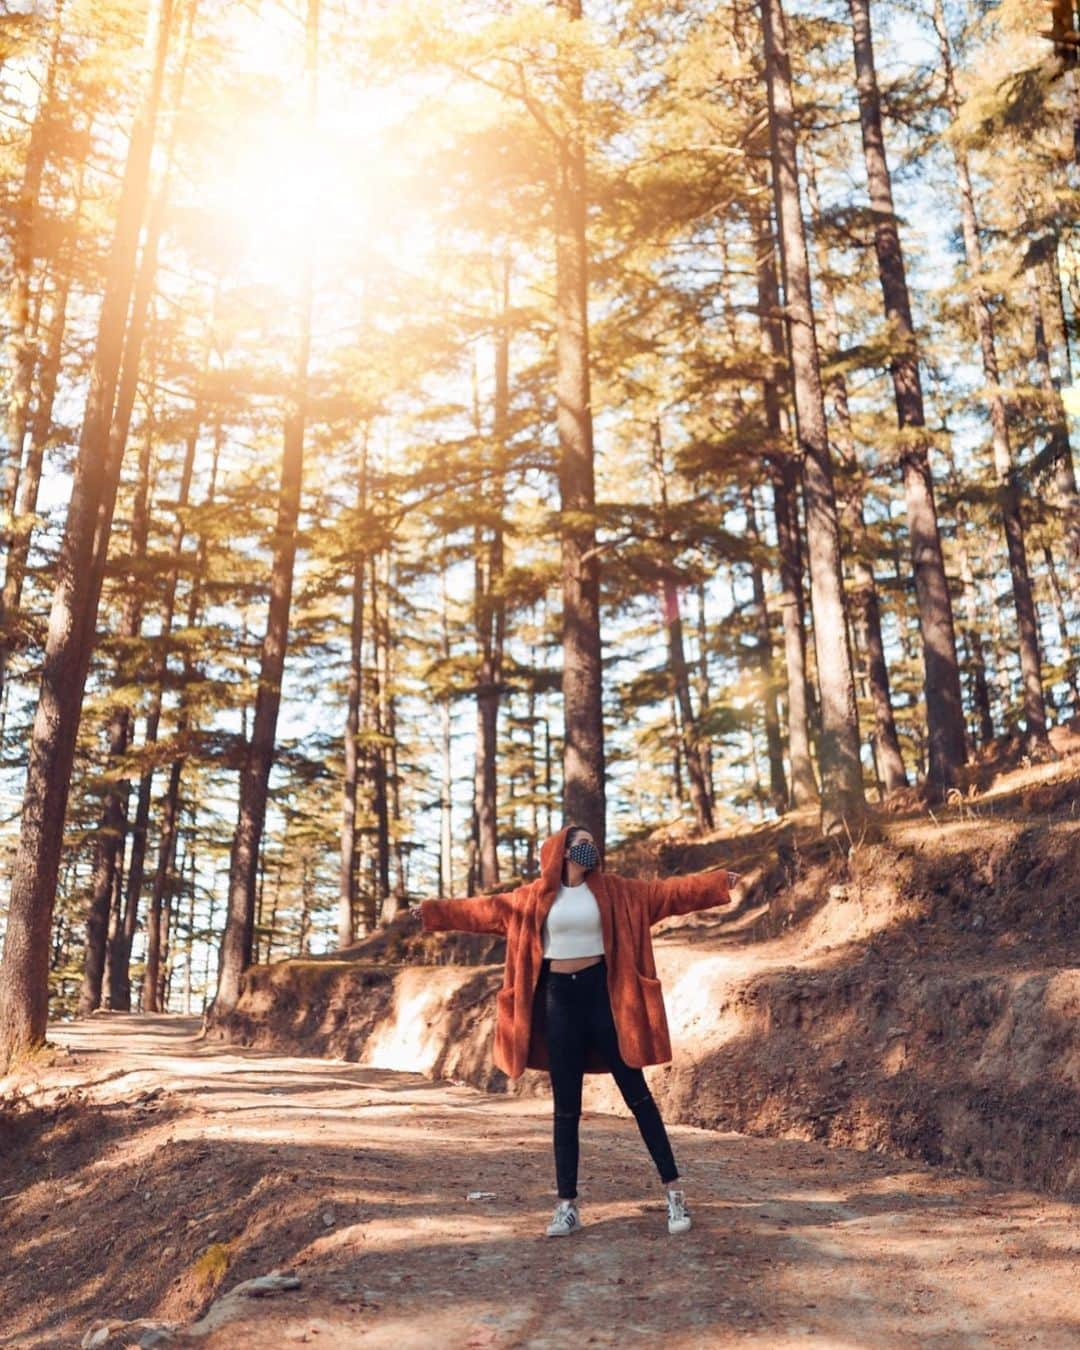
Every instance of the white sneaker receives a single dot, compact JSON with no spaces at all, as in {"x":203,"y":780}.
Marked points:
{"x":565,"y":1220}
{"x":678,"y":1216}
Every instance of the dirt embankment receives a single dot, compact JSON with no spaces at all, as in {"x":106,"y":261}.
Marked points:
{"x":920,"y":995}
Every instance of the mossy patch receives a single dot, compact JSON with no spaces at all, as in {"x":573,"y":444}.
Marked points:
{"x":211,"y":1264}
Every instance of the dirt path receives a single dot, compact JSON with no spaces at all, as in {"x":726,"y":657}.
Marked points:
{"x":168,"y":1170}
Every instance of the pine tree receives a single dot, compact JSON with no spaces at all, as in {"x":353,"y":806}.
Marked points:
{"x":583,"y":772}
{"x":236,"y":942}
{"x":841,"y":769}
{"x":23,"y":984}
{"x":1009,"y":486}
{"x":944,"y":706}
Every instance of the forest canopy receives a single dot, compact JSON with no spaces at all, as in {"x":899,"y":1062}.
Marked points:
{"x":428,"y":422}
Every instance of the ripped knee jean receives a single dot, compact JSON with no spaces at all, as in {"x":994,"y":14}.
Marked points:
{"x":579,"y":1014}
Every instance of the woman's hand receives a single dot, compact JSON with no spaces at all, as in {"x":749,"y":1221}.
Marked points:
{"x":733,"y":879}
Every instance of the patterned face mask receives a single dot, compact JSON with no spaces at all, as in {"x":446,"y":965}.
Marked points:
{"x":584,"y":854}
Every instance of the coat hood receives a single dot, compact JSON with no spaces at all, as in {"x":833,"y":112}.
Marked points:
{"x":552,"y":852}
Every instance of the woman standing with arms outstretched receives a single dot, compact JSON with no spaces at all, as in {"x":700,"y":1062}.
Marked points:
{"x":580,"y":992}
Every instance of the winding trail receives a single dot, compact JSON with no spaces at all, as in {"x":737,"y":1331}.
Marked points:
{"x":356,"y":1180}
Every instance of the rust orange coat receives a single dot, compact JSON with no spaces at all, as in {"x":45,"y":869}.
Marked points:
{"x":628,"y":910}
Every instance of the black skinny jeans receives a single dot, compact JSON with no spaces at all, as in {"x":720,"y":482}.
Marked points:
{"x":579,"y":1014}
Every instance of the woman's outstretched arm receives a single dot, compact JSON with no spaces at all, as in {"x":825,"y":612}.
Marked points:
{"x":683,"y":895}
{"x":475,"y":914}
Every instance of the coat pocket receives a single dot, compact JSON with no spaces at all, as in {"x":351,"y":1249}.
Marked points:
{"x":504,"y":1021}
{"x":656,"y":1042}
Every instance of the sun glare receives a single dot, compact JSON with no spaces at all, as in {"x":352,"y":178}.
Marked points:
{"x":281,"y":193}
{"x":280,"y":188}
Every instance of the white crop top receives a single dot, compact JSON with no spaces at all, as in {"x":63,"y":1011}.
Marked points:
{"x":572,"y":927}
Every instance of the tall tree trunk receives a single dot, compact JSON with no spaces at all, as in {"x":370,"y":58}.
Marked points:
{"x":157,"y":918}
{"x":446,"y":802}
{"x":511,"y":797}
{"x":986,"y":570}
{"x":116,"y":910}
{"x":114,"y":824}
{"x":1067,"y":647}
{"x":165,"y":942}
{"x":260,"y":901}
{"x":41,"y":431}
{"x":471,"y":883}
{"x":582,"y":676}
{"x":446,"y":785}
{"x":778,"y":792}
{"x":255,"y":776}
{"x":687,"y":737}
{"x":842,"y":799}
{"x":379,"y":786}
{"x":491,"y":612}
{"x":533,"y":842}
{"x":190,"y":946}
{"x":347,"y":896}
{"x":397,"y":898}
{"x":676,"y":754}
{"x":886,"y":742}
{"x":703,"y":686}
{"x":1059,"y":449}
{"x":24,"y":991}
{"x":549,"y":780}
{"x":20,"y":325}
{"x":1002,"y":678}
{"x":1008,"y":482}
{"x":944,"y":705}
{"x":271,"y":923}
{"x":113,"y":828}
{"x":120,"y":948}
{"x":119,"y":955}
{"x":368,"y":914}
{"x":211,"y":914}
{"x":305,"y":908}
{"x":804,"y":788}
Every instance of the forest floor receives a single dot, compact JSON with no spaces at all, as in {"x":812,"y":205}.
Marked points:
{"x":149,"y":1171}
